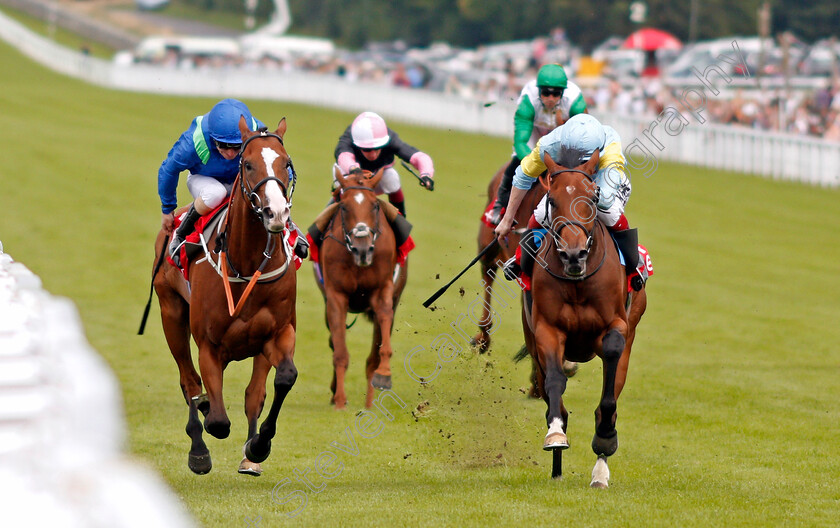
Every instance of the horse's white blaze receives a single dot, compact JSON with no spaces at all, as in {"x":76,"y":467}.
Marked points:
{"x":276,"y":200}
{"x":600,"y":473}
{"x":359,"y":198}
{"x":570,"y":189}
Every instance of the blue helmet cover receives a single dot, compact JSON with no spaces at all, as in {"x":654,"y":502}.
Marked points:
{"x":223,"y":120}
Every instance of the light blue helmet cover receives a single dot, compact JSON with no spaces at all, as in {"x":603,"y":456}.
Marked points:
{"x":223,"y":120}
{"x":580,"y":136}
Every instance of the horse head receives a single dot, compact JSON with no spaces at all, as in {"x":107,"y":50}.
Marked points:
{"x":264,"y":173}
{"x":359,"y":210}
{"x":572,"y":199}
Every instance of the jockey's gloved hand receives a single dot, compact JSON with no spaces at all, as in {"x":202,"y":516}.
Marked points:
{"x":427,"y":182}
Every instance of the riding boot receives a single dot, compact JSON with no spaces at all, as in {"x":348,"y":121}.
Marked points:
{"x":180,"y":235}
{"x":503,"y":193}
{"x":628,"y":243}
{"x":400,"y":207}
{"x":521,"y":265}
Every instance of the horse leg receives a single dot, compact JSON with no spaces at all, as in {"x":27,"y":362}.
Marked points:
{"x":281,"y":354}
{"x":605,"y":440}
{"x":382,"y":303}
{"x":199,"y":458}
{"x":482,"y":339}
{"x":337,"y":306}
{"x":550,"y":348}
{"x":254,"y":401}
{"x":216,"y":422}
{"x":372,"y":362}
{"x":175,"y":317}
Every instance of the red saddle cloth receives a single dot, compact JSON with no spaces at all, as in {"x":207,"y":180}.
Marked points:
{"x":485,"y":216}
{"x":402,"y":251}
{"x":201,"y":224}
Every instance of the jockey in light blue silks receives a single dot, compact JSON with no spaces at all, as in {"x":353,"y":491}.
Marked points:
{"x":571,"y":145}
{"x":209,"y":151}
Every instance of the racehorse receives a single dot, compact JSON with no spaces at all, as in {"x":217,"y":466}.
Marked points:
{"x":253,"y":265}
{"x":581,"y":309}
{"x":358,"y":261}
{"x":499,"y":253}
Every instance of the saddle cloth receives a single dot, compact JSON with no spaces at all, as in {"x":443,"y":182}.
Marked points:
{"x":192,"y":247}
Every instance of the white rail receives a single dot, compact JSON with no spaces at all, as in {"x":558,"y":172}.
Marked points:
{"x":775,"y":155}
{"x":61,"y":422}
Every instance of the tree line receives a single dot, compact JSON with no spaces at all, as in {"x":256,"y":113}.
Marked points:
{"x":470,"y":23}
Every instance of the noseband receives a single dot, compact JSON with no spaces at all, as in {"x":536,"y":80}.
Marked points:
{"x":251,"y":194}
{"x":356,"y":231}
{"x":590,"y":236}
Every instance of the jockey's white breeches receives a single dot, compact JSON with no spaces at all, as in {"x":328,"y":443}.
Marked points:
{"x":614,"y":193}
{"x":389,"y":183}
{"x":211,"y":191}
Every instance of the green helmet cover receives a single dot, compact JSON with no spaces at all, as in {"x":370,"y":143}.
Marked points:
{"x":552,"y":76}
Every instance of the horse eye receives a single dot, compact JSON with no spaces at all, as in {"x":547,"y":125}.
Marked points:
{"x":247,"y":165}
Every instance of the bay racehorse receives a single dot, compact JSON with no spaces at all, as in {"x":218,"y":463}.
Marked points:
{"x":248,"y":261}
{"x":581,"y":309}
{"x":358,"y":261}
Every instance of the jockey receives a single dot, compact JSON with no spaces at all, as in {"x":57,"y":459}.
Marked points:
{"x":368,"y":144}
{"x":571,"y":145}
{"x":545,"y":103}
{"x":209,"y":150}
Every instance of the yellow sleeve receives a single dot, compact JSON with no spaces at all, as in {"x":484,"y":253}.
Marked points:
{"x":533,"y":165}
{"x":612,"y":156}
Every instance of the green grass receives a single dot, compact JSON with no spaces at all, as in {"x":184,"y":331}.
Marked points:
{"x":59,"y":35}
{"x":728,"y":417}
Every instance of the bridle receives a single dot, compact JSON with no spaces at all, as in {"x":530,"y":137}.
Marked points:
{"x":357,"y":231}
{"x":590,"y":234}
{"x":251,"y":194}
{"x":255,"y":202}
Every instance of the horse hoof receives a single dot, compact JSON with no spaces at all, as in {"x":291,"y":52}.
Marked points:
{"x":202,"y":403}
{"x":480,"y":343}
{"x":253,"y":456}
{"x":600,"y":474}
{"x":570,"y":368}
{"x":555,"y":441}
{"x":200,"y":464}
{"x":220,"y":430}
{"x":246,"y":467}
{"x":596,"y":484}
{"x":381,"y":382}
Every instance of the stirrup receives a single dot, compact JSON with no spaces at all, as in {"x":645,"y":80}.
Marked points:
{"x":174,"y":249}
{"x":636,"y":281}
{"x":512,"y":269}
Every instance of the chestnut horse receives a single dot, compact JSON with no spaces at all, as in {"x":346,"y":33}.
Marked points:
{"x":499,"y":253}
{"x":581,"y":309}
{"x":253,"y":266}
{"x":358,"y":260}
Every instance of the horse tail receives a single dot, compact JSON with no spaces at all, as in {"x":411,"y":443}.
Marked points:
{"x":152,"y":285}
{"x":521,"y":354}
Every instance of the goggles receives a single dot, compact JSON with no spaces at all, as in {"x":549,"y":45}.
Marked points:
{"x":228,"y":146}
{"x":551,"y":92}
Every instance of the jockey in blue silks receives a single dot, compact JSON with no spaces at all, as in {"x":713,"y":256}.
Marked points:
{"x":209,"y":150}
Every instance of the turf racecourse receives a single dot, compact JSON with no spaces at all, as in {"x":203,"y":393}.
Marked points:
{"x":730,"y":413}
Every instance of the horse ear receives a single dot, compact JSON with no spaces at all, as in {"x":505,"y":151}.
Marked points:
{"x":544,"y":181}
{"x":339,"y":177}
{"x":281,"y":128}
{"x":375,"y":178}
{"x":552,"y":168}
{"x":244,"y":130}
{"x":592,"y":165}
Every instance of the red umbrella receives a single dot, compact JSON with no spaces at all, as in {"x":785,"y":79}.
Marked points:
{"x":650,"y":39}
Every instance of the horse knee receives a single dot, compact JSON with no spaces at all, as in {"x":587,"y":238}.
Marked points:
{"x":286,"y":376}
{"x":613,"y":345}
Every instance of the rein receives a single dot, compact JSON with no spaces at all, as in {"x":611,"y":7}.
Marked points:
{"x":590,"y":235}
{"x":255,"y":203}
{"x":348,"y":242}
